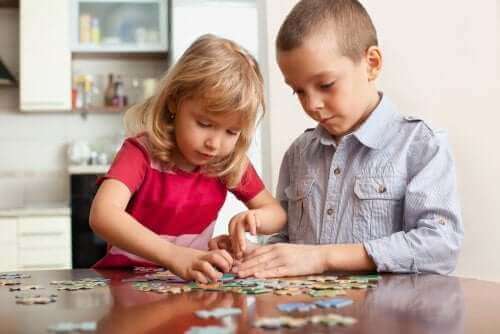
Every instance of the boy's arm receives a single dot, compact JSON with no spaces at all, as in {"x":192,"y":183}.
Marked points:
{"x":432,"y":231}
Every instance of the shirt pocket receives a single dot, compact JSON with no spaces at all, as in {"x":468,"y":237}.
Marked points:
{"x":299,"y":209}
{"x":378,"y":206}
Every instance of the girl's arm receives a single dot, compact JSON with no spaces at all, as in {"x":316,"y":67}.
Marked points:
{"x":265,"y":216}
{"x":109,"y":219}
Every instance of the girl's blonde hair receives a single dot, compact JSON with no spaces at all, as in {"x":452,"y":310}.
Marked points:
{"x":226,"y":79}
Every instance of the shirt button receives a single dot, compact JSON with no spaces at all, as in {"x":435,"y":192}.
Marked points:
{"x":329,"y":211}
{"x":442,"y":221}
{"x":382,"y":189}
{"x":336,"y":171}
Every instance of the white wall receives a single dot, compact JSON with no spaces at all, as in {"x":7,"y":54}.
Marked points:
{"x":441,"y":63}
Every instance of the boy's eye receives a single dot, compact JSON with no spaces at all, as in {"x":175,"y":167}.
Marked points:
{"x":298,"y":92}
{"x":327,"y":85}
{"x":203,"y":124}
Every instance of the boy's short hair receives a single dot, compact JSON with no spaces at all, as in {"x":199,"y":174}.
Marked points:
{"x":353,"y":28}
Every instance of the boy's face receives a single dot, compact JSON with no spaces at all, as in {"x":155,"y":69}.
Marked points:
{"x":333,"y":90}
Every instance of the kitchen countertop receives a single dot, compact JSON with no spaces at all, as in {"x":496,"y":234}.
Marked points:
{"x":88,"y":169}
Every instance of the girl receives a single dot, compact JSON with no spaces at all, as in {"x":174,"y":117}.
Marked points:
{"x":159,"y":201}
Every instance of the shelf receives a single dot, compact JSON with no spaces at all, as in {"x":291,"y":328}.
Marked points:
{"x":122,"y":48}
{"x":100,"y":110}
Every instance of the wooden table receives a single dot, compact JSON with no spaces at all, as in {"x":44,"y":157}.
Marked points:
{"x":400,"y":304}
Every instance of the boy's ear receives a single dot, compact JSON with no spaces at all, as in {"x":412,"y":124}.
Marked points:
{"x":374,"y":62}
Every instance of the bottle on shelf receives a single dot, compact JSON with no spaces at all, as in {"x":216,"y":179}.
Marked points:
{"x":95,"y":31}
{"x":109,"y":94}
{"x":85,"y":29}
{"x":120,"y":98}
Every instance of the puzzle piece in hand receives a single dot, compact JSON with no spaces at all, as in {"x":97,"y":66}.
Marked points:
{"x":70,"y":327}
{"x":335,"y":303}
{"x":209,"y":330}
{"x":293,"y":307}
{"x":218,"y":312}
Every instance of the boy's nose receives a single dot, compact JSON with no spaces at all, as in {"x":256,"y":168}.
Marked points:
{"x":314,"y":106}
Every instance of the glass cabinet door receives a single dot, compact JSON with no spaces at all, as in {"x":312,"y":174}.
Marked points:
{"x":119,"y":25}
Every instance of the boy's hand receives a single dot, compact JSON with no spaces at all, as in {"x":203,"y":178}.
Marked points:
{"x":201,"y":266}
{"x":281,"y":260}
{"x":247,"y":221}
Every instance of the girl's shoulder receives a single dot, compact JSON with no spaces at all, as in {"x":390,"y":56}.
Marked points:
{"x":138,"y":145}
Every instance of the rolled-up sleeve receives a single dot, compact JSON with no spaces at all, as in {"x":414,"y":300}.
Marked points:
{"x":432,"y":228}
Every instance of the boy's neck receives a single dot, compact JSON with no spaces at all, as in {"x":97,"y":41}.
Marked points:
{"x":371,"y":106}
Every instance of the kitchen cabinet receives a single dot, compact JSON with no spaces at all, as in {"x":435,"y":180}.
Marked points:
{"x":35,"y":242}
{"x":119,"y":26}
{"x":45,"y":56}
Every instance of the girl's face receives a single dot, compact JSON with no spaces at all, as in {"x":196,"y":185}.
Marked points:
{"x":201,"y":137}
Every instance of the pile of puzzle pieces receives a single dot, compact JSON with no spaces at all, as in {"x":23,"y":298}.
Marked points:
{"x":315,"y":286}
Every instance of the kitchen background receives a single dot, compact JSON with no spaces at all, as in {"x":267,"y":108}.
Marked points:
{"x":441,"y":63}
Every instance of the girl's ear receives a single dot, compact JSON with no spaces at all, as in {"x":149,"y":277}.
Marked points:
{"x":374,"y":62}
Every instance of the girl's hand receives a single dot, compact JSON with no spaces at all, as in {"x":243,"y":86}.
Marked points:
{"x":201,"y":266}
{"x":247,"y":221}
{"x":221,"y":242}
{"x":281,"y":260}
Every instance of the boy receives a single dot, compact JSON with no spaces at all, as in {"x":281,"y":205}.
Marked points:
{"x":367,"y":189}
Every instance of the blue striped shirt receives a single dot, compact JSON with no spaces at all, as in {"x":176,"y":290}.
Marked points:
{"x":389,"y":185}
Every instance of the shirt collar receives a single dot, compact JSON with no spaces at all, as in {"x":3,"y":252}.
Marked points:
{"x":378,"y":127}
{"x":374,"y":132}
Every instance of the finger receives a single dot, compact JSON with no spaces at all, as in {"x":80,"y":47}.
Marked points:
{"x":240,"y":235}
{"x":252,"y":223}
{"x":213,"y":244}
{"x":225,"y":243}
{"x":221,"y":259}
{"x":208,"y":270}
{"x":256,"y":264}
{"x":198,"y":276}
{"x":280,"y":271}
{"x":234,"y":228}
{"x":261,"y":250}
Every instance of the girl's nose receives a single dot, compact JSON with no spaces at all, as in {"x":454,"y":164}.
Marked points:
{"x":213,"y":142}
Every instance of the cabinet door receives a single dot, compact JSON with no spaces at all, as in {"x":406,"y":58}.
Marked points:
{"x":8,"y":235}
{"x":44,"y":242}
{"x":45,"y":66}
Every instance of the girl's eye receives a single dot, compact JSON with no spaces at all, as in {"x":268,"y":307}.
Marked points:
{"x":327,"y":85}
{"x":233,"y":133}
{"x":203,"y":124}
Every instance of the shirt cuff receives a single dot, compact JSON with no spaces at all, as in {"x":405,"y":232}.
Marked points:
{"x":392,"y":254}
